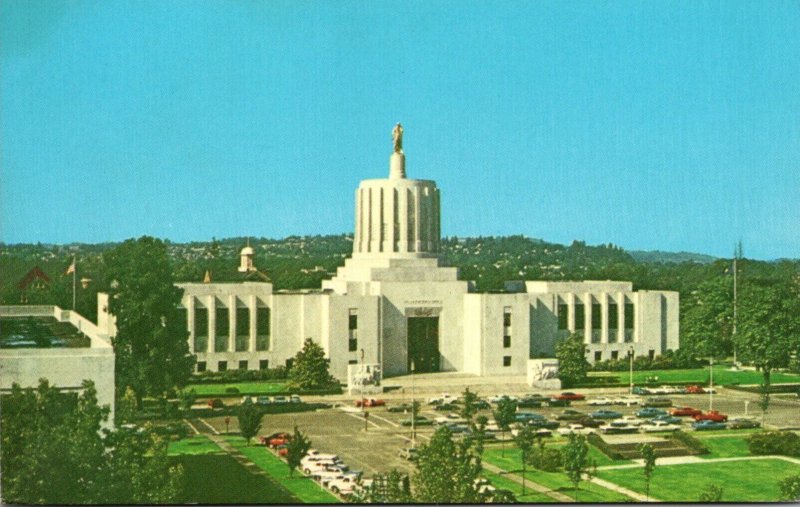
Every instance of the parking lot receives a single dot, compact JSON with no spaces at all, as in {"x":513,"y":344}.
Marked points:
{"x":341,"y":429}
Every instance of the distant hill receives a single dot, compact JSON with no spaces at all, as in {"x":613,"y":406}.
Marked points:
{"x":657,"y":256}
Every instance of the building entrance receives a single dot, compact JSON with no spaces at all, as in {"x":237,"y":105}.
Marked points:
{"x":423,"y":344}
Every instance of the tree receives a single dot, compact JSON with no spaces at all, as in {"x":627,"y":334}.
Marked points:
{"x":54,"y":452}
{"x":711,"y":494}
{"x":151,"y":349}
{"x":468,"y":408}
{"x":790,"y":488}
{"x":524,"y":441}
{"x":446,"y":471}
{"x":127,"y":406}
{"x":768,"y":328}
{"x":249,"y":417}
{"x":504,"y":415}
{"x":572,"y":364}
{"x":309,"y":369}
{"x":649,"y":456}
{"x":391,"y":488}
{"x":576,"y":461}
{"x":707,"y":323}
{"x":296,"y":448}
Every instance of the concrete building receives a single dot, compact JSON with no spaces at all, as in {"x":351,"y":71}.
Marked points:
{"x":64,"y":367}
{"x":393,"y":303}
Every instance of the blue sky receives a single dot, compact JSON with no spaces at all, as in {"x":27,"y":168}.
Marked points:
{"x":650,"y":125}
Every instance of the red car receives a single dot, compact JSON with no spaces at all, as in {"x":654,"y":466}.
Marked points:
{"x":275,"y":440}
{"x":283,"y":451}
{"x":370,"y":402}
{"x":215,"y":403}
{"x":711,"y":415}
{"x":695,"y":390}
{"x":685,"y":411}
{"x":570,"y":397}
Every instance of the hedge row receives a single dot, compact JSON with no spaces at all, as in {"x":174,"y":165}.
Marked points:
{"x":231,"y":376}
{"x":689,"y":441}
{"x":597,"y":441}
{"x":784,"y":443}
{"x":670,"y":360}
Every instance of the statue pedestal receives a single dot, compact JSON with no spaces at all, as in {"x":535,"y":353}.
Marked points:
{"x":543,"y":374}
{"x":397,"y":166}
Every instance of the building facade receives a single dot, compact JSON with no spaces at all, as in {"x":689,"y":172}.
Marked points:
{"x":393,"y":304}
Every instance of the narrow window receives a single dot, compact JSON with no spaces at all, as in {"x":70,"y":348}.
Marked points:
{"x":352,"y":331}
{"x":580,"y":317}
{"x":222,"y":366}
{"x":507,"y":316}
{"x":506,"y":342}
{"x":506,"y":360}
{"x":242,"y":329}
{"x":563,"y":313}
{"x":597,"y":316}
{"x":200,"y":329}
{"x":262,"y":328}
{"x":242,"y":365}
{"x":289,"y":363}
{"x":614,"y":354}
{"x":598,"y":355}
{"x":201,"y":366}
{"x":352,"y":361}
{"x":263,"y":364}
{"x":629,"y":315}
{"x":651,"y":353}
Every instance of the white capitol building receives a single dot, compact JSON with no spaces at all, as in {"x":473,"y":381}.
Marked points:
{"x":393,"y":303}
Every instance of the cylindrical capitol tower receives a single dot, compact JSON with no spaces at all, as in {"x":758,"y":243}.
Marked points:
{"x":397,"y":217}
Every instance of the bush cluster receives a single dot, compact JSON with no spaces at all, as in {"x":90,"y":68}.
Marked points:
{"x":546,"y":459}
{"x":231,"y":376}
{"x":774,"y":442}
{"x":690,"y":441}
{"x":669,"y":360}
{"x":597,"y":441}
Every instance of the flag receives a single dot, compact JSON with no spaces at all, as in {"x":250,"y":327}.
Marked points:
{"x":71,"y":268}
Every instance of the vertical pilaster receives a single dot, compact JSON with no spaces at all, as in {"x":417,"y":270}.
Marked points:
{"x":212,"y":323}
{"x":571,"y":312}
{"x":604,"y":317}
{"x":620,"y":317}
{"x":252,"y":307}
{"x":403,"y":218}
{"x":587,"y":317}
{"x":190,"y":322}
{"x":417,"y":219}
{"x":232,"y":323}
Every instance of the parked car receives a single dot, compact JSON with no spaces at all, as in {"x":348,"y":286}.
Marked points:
{"x":664,"y":390}
{"x":544,"y":424}
{"x":409,"y":453}
{"x":627,"y":400}
{"x":640,"y":390}
{"x":553,"y":402}
{"x":314,"y":454}
{"x":276,"y":439}
{"x":529,"y":403}
{"x":708,"y":424}
{"x":442,"y":398}
{"x":588,"y":422}
{"x":283,"y":450}
{"x":370,"y":402}
{"x":280,"y":399}
{"x":570,"y":415}
{"x":497,"y":397}
{"x":649,"y":412}
{"x":632,"y":420}
{"x":600,"y":401}
{"x":616,"y":427}
{"x":743,"y":423}
{"x":575,"y":428}
{"x":570,"y":396}
{"x":528,"y":416}
{"x":419,"y":421}
{"x":295,"y":399}
{"x":445,"y":407}
{"x":457,"y":427}
{"x":247,"y":399}
{"x":403,"y":407}
{"x":344,"y":485}
{"x":263,"y":400}
{"x":449,"y":418}
{"x":694,"y":389}
{"x":711,"y":415}
{"x":215,"y":403}
{"x":658,"y":402}
{"x":482,"y":405}
{"x":685,"y":411}
{"x":605,"y":414}
{"x":264,"y":439}
{"x":669,"y":419}
{"x":659,"y":426}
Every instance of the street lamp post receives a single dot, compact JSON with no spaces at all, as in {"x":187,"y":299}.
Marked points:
{"x":630,"y":376}
{"x":413,"y":415}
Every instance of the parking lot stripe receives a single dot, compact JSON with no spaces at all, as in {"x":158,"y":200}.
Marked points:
{"x":385,"y":420}
{"x":212,"y":428}
{"x":361,"y":418}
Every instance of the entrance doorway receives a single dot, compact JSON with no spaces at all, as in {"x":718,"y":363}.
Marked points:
{"x":423,"y":344}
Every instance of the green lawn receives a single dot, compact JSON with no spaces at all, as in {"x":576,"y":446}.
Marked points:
{"x":722,"y":376}
{"x":742,"y":481}
{"x":725,"y":447}
{"x":245,"y":388}
{"x":197,"y":444}
{"x":530,"y":496}
{"x":557,"y":481}
{"x":301,"y":486}
{"x":218,"y":479}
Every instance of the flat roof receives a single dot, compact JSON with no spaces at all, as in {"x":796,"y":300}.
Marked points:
{"x":40,"y":333}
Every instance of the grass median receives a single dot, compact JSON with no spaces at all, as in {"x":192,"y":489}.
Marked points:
{"x":741,"y":481}
{"x":242,"y":388}
{"x":299,"y":485}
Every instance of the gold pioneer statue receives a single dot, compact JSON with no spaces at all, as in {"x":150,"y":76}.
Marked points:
{"x":397,"y":135}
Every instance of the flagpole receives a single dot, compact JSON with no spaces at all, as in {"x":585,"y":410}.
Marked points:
{"x":74,"y":281}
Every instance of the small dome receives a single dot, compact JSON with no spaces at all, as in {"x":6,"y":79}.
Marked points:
{"x":248,"y":250}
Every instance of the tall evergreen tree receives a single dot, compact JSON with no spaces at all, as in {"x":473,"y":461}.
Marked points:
{"x":310,"y":368}
{"x":446,"y":471}
{"x":572,"y":364}
{"x":249,"y":417}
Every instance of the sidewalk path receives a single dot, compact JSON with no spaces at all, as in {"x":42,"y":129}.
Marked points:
{"x":684,"y":460}
{"x":625,"y":491}
{"x":556,"y":495}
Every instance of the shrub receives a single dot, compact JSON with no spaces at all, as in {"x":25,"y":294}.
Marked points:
{"x":547,"y":459}
{"x":790,"y":488}
{"x":231,"y":376}
{"x":597,"y":441}
{"x":689,"y":441}
{"x":232,"y":390}
{"x":774,"y":442}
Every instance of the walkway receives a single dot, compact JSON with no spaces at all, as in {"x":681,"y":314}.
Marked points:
{"x":561,"y":497}
{"x":694,"y":460}
{"x":619,"y":489}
